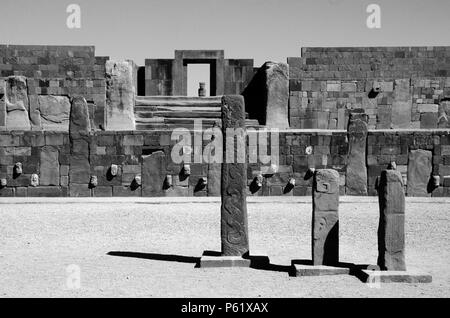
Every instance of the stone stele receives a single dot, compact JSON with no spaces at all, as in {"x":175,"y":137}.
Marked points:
{"x":234,"y":227}
{"x":79,"y":116}
{"x":419,"y":172}
{"x":325,"y":223}
{"x":277,"y":84}
{"x":356,"y":179}
{"x":120,"y":96}
{"x":391,"y":229}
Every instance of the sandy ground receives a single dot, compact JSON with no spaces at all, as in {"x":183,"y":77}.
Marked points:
{"x":160,"y":243}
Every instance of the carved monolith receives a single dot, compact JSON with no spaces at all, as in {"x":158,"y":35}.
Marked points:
{"x":391,"y":229}
{"x":325,"y":222}
{"x":234,"y":228}
{"x":356,"y":179}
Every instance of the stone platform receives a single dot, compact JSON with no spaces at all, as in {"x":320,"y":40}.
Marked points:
{"x":319,"y":270}
{"x":411,"y":276}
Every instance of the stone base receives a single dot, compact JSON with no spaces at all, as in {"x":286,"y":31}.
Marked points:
{"x":319,"y":270}
{"x":371,"y":276}
{"x":223,"y":261}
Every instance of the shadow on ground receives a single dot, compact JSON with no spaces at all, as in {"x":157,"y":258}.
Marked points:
{"x":256,"y":262}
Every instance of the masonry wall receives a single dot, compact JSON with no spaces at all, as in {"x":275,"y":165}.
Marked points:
{"x":52,"y":76}
{"x":52,"y":156}
{"x":397,"y":87}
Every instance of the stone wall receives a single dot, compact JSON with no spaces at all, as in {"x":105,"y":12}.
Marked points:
{"x":65,"y":164}
{"x":49,"y":77}
{"x":397,"y":87}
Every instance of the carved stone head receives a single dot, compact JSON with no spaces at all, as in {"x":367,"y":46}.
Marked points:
{"x":34,"y":181}
{"x":93,"y":182}
{"x":138,"y":180}
{"x":3,"y":183}
{"x":186,"y":170}
{"x":259,"y":180}
{"x":18,"y":168}
{"x":114,"y":170}
{"x":292,"y":181}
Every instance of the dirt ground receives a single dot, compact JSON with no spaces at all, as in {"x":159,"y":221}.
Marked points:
{"x":153,"y":246}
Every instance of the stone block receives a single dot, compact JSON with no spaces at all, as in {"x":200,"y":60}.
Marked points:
{"x":153,"y":173}
{"x":223,"y":261}
{"x":428,"y":108}
{"x":79,"y":190}
{"x":319,"y":270}
{"x":120,"y":96}
{"x":17,"y":105}
{"x":419,"y":172}
{"x":428,"y":120}
{"x":51,"y":112}
{"x":49,"y":166}
{"x":411,"y":277}
{"x":43,"y":191}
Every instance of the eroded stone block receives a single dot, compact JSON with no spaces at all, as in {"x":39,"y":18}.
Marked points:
{"x":419,"y":172}
{"x":17,"y":106}
{"x":356,"y":178}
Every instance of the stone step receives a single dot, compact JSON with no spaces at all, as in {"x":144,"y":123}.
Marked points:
{"x":250,"y":123}
{"x":214,"y":101}
{"x":177,"y":108}
{"x":184,"y":114}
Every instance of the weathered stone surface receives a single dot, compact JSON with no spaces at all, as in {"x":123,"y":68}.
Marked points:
{"x":325,"y":227}
{"x":49,"y":166}
{"x":153,"y":174}
{"x":120,"y":96}
{"x":79,"y":116}
{"x":79,"y":171}
{"x":402,"y":104}
{"x":419,"y":172}
{"x":53,"y":112}
{"x":277,"y":82}
{"x":319,"y":270}
{"x":391,"y":228}
{"x":234,"y":226}
{"x":2,"y":105}
{"x":17,"y":106}
{"x":356,"y":179}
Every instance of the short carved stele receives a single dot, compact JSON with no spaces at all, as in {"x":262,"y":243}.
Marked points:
{"x":234,"y":227}
{"x":391,"y":230}
{"x":325,"y":222}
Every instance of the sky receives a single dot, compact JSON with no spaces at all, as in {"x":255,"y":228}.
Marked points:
{"x":260,"y":29}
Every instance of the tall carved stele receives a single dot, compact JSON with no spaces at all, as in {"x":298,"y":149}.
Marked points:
{"x":234,"y":227}
{"x":325,"y":221}
{"x":391,"y":229}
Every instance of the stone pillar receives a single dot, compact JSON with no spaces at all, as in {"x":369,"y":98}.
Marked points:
{"x":79,"y":116}
{"x":356,"y":176}
{"x":120,"y":96}
{"x":267,"y":95}
{"x":391,"y":229}
{"x":277,"y":83}
{"x":325,"y":221}
{"x":420,"y":166}
{"x":2,"y":105}
{"x":234,"y":228}
{"x":79,"y":165}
